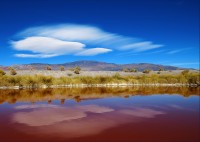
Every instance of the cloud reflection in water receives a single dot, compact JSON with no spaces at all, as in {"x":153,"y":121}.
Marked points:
{"x":77,"y":121}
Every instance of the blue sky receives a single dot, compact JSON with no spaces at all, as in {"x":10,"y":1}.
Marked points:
{"x":117,"y":31}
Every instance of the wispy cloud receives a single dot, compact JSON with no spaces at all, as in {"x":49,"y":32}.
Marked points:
{"x":158,"y":51}
{"x":93,"y":51}
{"x":131,"y":53}
{"x":73,"y":39}
{"x":177,"y":51}
{"x":174,"y":51}
{"x":141,"y":46}
{"x":35,"y":55}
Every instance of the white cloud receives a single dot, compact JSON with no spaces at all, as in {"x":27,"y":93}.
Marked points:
{"x":177,"y":51}
{"x":55,"y":40}
{"x":47,"y":45}
{"x":141,"y":46}
{"x":35,"y":55}
{"x":69,"y":32}
{"x":93,"y":51}
{"x":174,"y":51}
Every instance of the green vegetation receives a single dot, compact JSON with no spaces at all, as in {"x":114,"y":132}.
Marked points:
{"x":189,"y":78}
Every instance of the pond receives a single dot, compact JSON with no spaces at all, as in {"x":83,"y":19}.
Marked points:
{"x":141,"y":114}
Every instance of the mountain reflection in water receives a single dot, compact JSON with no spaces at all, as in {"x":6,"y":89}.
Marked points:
{"x":101,"y":114}
{"x":78,"y":94}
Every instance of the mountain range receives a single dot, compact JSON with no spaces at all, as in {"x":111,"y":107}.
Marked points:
{"x":93,"y":66}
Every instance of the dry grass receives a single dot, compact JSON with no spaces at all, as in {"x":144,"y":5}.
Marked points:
{"x":38,"y":79}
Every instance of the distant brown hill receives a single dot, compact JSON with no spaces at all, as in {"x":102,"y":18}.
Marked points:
{"x":94,"y":66}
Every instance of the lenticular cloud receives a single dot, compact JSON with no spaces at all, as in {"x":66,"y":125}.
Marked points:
{"x":72,"y":39}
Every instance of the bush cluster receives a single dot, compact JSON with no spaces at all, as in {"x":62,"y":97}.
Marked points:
{"x":39,"y":80}
{"x":130,"y":70}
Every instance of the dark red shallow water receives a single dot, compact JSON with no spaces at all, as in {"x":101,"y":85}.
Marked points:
{"x":155,"y":118}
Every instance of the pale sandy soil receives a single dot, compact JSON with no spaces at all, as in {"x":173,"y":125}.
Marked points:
{"x":87,"y":73}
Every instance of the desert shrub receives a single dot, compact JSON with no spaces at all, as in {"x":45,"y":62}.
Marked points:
{"x":161,"y":69}
{"x":13,"y":72}
{"x":171,"y":79}
{"x":62,"y":68}
{"x":69,"y":74}
{"x":30,"y":81}
{"x":125,"y":70}
{"x":48,"y":68}
{"x":78,"y":68}
{"x":133,"y":81}
{"x":4,"y":81}
{"x":14,"y":80}
{"x":185,"y":72}
{"x":62,"y":81}
{"x":32,"y":68}
{"x":88,"y":80}
{"x":193,"y":78}
{"x":129,"y":70}
{"x":2,"y":72}
{"x":133,"y":70}
{"x":102,"y":79}
{"x":154,"y":78}
{"x":71,"y":69}
{"x":38,"y":80}
{"x":146,"y":71}
{"x":75,"y":80}
{"x":76,"y":71}
{"x":117,"y":78}
{"x":46,"y":80}
{"x":162,"y":80}
{"x":182,"y":79}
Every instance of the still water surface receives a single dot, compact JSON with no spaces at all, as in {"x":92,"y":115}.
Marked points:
{"x":141,"y":114}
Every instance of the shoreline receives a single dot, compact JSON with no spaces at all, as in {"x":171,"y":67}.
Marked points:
{"x":98,"y":85}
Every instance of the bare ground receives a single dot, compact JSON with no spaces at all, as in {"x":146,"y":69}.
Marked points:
{"x":58,"y":73}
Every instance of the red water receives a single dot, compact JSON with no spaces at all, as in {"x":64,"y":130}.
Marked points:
{"x":156,"y":118}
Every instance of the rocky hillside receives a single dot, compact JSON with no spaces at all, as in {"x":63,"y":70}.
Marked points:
{"x":94,"y":66}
